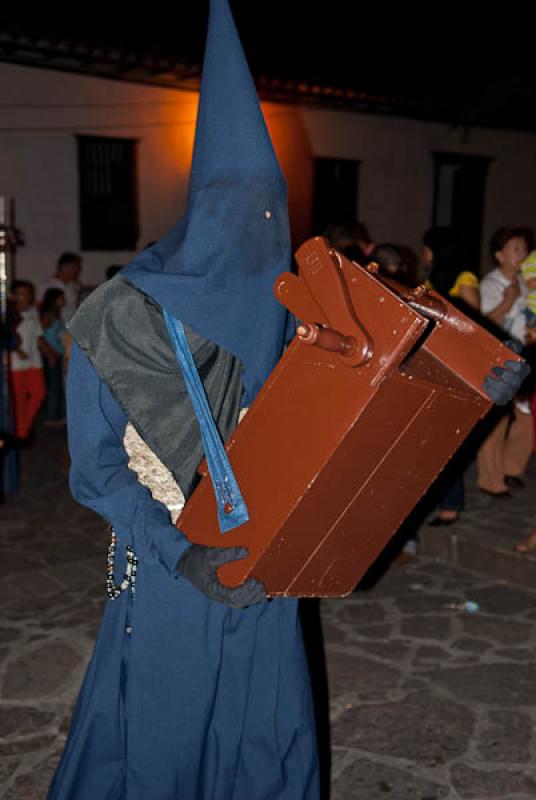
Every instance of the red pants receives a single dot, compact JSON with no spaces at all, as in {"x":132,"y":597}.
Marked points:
{"x":29,"y":391}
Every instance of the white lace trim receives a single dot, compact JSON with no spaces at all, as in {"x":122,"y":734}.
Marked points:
{"x":152,"y":473}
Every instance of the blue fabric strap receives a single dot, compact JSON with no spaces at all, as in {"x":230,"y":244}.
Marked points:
{"x":232,"y":510}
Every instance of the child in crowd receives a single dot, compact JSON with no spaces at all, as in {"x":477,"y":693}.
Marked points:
{"x":53,"y":343}
{"x":27,"y":379}
{"x":528,"y":271}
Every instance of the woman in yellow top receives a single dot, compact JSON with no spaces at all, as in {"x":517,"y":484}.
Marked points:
{"x":467,"y":288}
{"x":444,"y":258}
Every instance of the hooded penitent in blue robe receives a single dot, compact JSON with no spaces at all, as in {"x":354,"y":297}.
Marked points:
{"x":186,"y":698}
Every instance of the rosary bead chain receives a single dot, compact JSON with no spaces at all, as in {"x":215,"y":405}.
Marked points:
{"x":129,"y":579}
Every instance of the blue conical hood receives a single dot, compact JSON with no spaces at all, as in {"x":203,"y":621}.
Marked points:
{"x":216,"y":268}
{"x":232,"y":142}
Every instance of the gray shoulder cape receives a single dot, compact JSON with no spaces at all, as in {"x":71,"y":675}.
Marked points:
{"x":124,"y":335}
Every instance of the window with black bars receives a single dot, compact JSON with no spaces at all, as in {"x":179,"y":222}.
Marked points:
{"x":108,"y":193}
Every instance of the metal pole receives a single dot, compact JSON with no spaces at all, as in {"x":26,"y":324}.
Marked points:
{"x":3,"y":305}
{"x":8,"y":243}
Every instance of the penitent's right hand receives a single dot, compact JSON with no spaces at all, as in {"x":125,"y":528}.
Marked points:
{"x":199,"y":566}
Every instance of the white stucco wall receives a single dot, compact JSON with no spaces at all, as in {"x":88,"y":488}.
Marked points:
{"x":42,"y":110}
{"x":38,"y":160}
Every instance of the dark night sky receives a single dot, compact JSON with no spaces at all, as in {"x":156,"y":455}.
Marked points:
{"x":437,"y":55}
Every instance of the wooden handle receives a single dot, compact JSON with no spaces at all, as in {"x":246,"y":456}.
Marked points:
{"x":327,"y":339}
{"x":321,"y":268}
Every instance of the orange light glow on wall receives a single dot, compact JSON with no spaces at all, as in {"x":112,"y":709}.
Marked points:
{"x":183,"y":131}
{"x":293,"y":150}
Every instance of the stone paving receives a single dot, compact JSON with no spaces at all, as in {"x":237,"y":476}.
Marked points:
{"x":426,"y":700}
{"x":484,"y":537}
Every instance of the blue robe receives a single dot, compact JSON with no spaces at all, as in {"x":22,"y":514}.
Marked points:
{"x":184,"y":698}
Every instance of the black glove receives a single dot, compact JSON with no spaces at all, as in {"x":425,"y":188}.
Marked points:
{"x":505,"y":383}
{"x":199,"y":564}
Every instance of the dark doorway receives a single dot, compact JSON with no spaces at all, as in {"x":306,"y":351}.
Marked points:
{"x":336,"y":185}
{"x":459,"y":194}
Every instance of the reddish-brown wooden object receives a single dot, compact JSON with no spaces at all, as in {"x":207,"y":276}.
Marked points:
{"x":371,"y":399}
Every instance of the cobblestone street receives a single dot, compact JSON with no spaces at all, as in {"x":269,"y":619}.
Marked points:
{"x":426,"y":700}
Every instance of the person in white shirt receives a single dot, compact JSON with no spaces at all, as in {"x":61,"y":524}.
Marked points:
{"x":26,"y":366}
{"x":67,"y":279}
{"x":503,"y":457}
{"x":503,"y":291}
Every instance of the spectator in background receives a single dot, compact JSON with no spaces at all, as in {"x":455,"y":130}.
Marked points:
{"x":504,"y":292}
{"x":340,"y":236}
{"x":112,"y":270}
{"x":352,"y":239}
{"x":364,"y":242}
{"x":528,"y":544}
{"x":84,"y":291}
{"x":503,"y":457}
{"x":67,"y":279}
{"x":528,"y":272}
{"x":391,"y":262}
{"x":27,"y":378}
{"x":446,"y":263}
{"x":53,"y":344}
{"x":445,"y":260}
{"x":531,"y":358}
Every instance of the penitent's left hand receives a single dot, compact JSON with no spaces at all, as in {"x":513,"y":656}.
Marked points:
{"x":199,"y":565}
{"x":505,"y":382}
